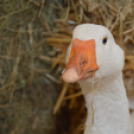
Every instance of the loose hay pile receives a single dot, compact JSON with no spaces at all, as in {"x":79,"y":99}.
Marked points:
{"x":26,"y":30}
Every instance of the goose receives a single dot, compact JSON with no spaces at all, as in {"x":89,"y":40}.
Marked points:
{"x":95,"y":61}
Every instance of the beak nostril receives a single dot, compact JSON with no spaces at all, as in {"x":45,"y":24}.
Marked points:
{"x":84,"y":62}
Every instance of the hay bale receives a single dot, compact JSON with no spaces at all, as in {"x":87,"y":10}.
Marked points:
{"x":27,"y":94}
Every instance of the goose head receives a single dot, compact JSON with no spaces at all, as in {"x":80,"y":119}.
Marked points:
{"x":92,"y":53}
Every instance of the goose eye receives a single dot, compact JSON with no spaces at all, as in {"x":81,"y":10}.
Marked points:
{"x":104,"y":41}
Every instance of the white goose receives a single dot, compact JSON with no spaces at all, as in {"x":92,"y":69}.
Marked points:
{"x":92,"y":56}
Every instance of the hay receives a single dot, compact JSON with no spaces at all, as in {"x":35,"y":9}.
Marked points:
{"x":25,"y":89}
{"x":34,"y":35}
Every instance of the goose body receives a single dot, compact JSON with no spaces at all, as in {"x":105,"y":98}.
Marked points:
{"x":95,"y":61}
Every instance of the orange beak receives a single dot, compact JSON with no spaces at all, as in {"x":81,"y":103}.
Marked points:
{"x":82,"y":61}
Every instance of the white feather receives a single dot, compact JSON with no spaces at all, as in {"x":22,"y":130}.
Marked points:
{"x":111,"y":103}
